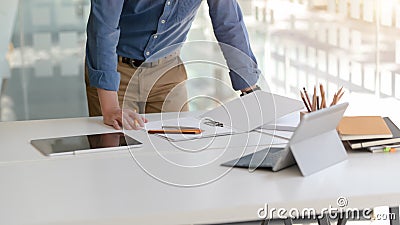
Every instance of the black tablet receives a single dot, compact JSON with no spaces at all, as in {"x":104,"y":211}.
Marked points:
{"x":74,"y":145}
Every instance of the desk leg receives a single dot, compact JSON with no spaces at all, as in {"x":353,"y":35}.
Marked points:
{"x":324,"y":220}
{"x":342,"y":219}
{"x":287,"y":221}
{"x":394,"y":215}
{"x":265,"y":222}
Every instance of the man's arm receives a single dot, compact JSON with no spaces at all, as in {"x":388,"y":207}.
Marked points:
{"x":230,"y":31}
{"x":101,"y":59}
{"x":102,"y":40}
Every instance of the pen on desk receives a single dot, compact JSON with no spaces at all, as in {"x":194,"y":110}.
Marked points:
{"x":305,"y":102}
{"x":178,"y":127}
{"x":383,"y":149}
{"x":175,"y":131}
{"x":308,"y":99}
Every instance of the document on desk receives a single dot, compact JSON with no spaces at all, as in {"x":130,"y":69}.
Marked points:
{"x":276,"y":133}
{"x":288,"y":122}
{"x":207,"y":128}
{"x":240,"y":115}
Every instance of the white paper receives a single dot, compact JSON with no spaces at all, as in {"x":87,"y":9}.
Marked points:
{"x":288,"y":122}
{"x":253,"y":110}
{"x":207,"y":130}
{"x":276,"y":133}
{"x":237,"y":116}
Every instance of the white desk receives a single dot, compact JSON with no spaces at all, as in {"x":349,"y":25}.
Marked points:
{"x":15,"y":136}
{"x":110,"y":187}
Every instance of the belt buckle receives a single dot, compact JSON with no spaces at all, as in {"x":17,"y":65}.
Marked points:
{"x":132,"y":63}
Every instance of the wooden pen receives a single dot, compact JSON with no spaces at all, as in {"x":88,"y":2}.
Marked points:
{"x":175,"y":131}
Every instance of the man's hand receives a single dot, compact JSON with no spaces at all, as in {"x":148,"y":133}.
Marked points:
{"x":126,"y":118}
{"x":114,"y":116}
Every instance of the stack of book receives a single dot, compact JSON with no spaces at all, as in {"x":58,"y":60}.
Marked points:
{"x":373,"y":133}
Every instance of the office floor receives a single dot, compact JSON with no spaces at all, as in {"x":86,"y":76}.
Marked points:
{"x":296,"y":48}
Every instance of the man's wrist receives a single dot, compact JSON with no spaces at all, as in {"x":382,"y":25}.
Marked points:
{"x":108,"y":101}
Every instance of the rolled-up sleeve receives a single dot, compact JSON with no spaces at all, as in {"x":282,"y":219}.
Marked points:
{"x":102,"y":40}
{"x":231,"y":33}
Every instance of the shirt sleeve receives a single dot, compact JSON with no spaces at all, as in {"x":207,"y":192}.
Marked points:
{"x":102,"y":40}
{"x":231,"y":33}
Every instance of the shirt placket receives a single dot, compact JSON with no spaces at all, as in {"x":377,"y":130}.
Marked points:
{"x":161,"y":27}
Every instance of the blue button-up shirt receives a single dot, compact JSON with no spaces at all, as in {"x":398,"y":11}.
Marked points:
{"x":139,"y":29}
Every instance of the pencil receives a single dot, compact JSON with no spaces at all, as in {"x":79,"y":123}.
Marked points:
{"x":314,"y":104}
{"x":333,"y":100}
{"x":340,"y":90}
{"x":305,"y":102}
{"x":339,"y":97}
{"x":308,"y":99}
{"x":323,"y":102}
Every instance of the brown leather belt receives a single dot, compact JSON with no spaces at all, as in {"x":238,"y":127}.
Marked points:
{"x":135,"y":63}
{"x":132,"y":62}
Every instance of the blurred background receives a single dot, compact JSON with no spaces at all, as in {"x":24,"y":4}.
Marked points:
{"x":298,"y":43}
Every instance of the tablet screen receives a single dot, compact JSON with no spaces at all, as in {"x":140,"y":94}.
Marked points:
{"x":84,"y":143}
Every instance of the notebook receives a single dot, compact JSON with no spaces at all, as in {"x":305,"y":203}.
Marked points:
{"x":356,"y":144}
{"x":363,"y":127}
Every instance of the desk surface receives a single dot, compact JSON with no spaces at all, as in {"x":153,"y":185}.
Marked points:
{"x":115,"y":188}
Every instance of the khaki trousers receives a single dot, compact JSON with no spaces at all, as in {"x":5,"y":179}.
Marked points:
{"x":147,"y":89}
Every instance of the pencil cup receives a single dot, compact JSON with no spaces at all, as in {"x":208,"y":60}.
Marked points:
{"x":302,"y":113}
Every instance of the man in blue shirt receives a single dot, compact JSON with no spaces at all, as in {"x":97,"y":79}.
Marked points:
{"x":126,"y":35}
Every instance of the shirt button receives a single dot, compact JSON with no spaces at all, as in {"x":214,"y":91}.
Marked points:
{"x":155,"y":36}
{"x":169,"y":3}
{"x":162,"y":21}
{"x":147,"y":53}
